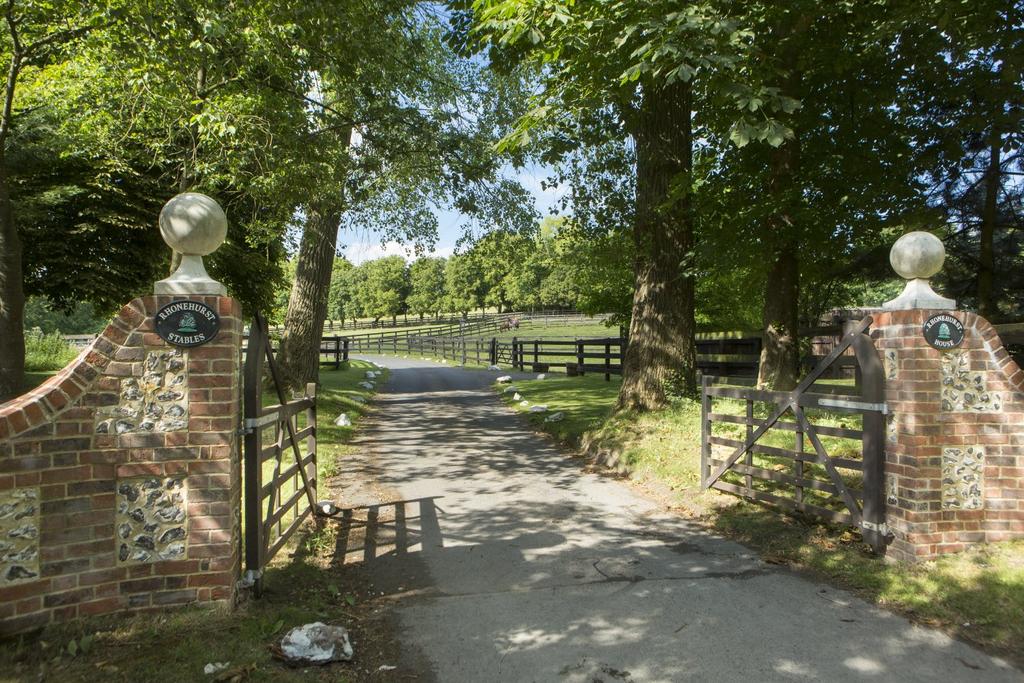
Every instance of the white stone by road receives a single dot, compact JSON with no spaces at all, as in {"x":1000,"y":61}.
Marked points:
{"x":513,"y":565}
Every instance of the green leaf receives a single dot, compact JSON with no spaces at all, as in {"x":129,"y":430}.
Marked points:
{"x":73,"y":647}
{"x":350,"y":599}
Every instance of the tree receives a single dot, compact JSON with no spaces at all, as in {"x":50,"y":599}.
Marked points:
{"x":341,"y":295}
{"x":426,"y":279}
{"x":35,"y":34}
{"x":425,"y":131}
{"x":496,"y":255}
{"x":384,"y":287}
{"x":964,"y":85}
{"x":463,"y":284}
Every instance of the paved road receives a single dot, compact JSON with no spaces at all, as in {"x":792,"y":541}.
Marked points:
{"x":511,"y":564}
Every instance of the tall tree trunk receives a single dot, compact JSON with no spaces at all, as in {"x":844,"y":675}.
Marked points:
{"x":661,"y":354}
{"x":299,"y":357}
{"x":780,"y":344}
{"x":12,"y":293}
{"x":12,"y":297}
{"x":780,"y":350}
{"x":990,"y":215}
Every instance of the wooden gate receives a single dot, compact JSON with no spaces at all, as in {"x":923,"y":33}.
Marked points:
{"x":279,"y":491}
{"x":743,"y":439}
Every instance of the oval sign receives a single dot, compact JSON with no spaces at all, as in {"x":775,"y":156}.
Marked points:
{"x":187,"y":323}
{"x":944,"y":331}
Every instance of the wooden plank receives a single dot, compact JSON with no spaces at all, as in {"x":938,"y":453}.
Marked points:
{"x":285,"y":475}
{"x":287,"y":533}
{"x":787,"y":503}
{"x":285,"y":507}
{"x":775,"y":451}
{"x":743,"y":394}
{"x":252,"y":448}
{"x":844,"y":492}
{"x":705,"y":432}
{"x":782,"y":478}
{"x":788,"y":426}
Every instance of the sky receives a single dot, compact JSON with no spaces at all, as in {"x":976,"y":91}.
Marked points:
{"x":359,"y":246}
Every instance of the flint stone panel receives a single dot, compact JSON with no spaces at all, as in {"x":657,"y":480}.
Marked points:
{"x":19,"y":535}
{"x":151,"y":521}
{"x":963,"y":478}
{"x":963,"y":390}
{"x":155,"y":402}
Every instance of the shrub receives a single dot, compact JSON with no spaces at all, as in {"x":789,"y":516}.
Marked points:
{"x":47,"y":352}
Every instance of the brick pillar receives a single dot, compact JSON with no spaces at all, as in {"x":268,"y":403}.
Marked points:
{"x":122,"y":476}
{"x":955,"y":437}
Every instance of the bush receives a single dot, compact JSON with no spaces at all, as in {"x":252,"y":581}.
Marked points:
{"x":47,"y":352}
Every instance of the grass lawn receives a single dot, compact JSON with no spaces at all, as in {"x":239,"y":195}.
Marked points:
{"x":977,"y":595}
{"x":301,"y":586}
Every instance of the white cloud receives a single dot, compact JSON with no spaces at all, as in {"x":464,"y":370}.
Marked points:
{"x":358,"y":252}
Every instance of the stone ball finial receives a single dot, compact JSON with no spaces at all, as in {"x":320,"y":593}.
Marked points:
{"x":916,"y":257}
{"x":192,"y":223}
{"x":917,"y":254}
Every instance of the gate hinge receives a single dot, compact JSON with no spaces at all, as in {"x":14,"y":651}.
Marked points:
{"x":249,"y":578}
{"x":251,"y":423}
{"x":882,"y":408}
{"x":880,"y":528}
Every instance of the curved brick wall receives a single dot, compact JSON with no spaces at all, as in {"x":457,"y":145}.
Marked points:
{"x":119,"y":477}
{"x":955,"y":444}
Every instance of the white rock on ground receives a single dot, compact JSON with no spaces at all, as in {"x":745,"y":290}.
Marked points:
{"x":504,"y":379}
{"x":494,"y":367}
{"x":343,"y":421}
{"x":509,"y":389}
{"x":215,"y":667}
{"x":517,"y":397}
{"x":366,"y":385}
{"x":370,"y":374}
{"x":524,"y":403}
{"x":541,"y":376}
{"x":539,"y":409}
{"x":359,"y":399}
{"x":316,"y":643}
{"x":555,"y":417}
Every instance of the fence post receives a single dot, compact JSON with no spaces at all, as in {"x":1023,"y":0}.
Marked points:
{"x":494,"y":351}
{"x":536,"y":352}
{"x":311,"y":439}
{"x":580,"y":360}
{"x":705,"y":432}
{"x":607,"y":361}
{"x":337,"y":353}
{"x":872,"y":442}
{"x":346,"y":350}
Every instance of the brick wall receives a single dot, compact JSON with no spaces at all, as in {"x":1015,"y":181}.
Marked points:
{"x":119,"y":477}
{"x":955,"y":440}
